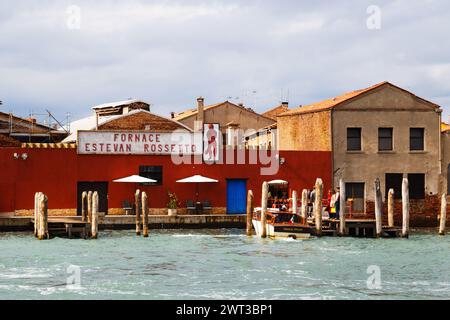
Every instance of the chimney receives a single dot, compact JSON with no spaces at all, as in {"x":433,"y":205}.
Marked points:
{"x":200,"y":106}
{"x":285,"y":104}
{"x":172,"y":115}
{"x":200,"y":114}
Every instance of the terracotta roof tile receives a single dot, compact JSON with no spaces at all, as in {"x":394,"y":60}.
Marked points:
{"x":272,"y":113}
{"x":333,"y":102}
{"x":190,"y":112}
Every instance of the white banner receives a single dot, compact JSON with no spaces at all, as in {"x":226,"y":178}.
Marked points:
{"x":133,"y":142}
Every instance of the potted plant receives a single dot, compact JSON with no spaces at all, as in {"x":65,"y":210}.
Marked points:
{"x":173,"y":204}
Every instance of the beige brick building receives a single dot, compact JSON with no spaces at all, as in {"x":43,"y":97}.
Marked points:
{"x":381,"y":132}
{"x":236,"y":121}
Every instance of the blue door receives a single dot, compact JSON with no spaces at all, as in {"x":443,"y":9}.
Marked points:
{"x":236,"y":196}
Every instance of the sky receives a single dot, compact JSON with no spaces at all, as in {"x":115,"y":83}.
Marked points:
{"x":67,"y":56}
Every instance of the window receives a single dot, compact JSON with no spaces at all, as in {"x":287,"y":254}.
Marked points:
{"x":416,"y":141}
{"x":353,"y":139}
{"x":355,"y":191}
{"x":385,"y":139}
{"x":416,"y":185}
{"x":151,"y":172}
{"x":394,"y":181}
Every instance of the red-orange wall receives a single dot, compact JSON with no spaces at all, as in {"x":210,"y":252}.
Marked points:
{"x":57,"y":171}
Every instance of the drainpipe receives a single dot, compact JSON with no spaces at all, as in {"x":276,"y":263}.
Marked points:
{"x":331,"y":148}
{"x":441,"y":178}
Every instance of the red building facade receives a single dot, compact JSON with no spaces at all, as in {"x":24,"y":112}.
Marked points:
{"x":62,"y":173}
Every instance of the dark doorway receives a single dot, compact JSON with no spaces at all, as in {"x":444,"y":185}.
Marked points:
{"x":102,"y":190}
{"x":355,"y":192}
{"x":394,"y":181}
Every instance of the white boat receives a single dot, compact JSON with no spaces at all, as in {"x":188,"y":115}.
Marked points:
{"x":282,"y":225}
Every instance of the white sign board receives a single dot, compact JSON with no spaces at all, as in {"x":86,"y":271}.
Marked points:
{"x":211,"y":145}
{"x":139,"y":142}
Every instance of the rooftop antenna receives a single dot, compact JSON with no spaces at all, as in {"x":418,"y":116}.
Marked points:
{"x":68,"y":121}
{"x":51,"y":116}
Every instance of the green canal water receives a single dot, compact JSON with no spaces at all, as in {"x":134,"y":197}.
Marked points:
{"x":223,"y":264}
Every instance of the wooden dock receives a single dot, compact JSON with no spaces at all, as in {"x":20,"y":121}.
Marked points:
{"x":361,"y":228}
{"x":68,"y":226}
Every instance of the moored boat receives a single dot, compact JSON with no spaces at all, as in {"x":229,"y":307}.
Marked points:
{"x":282,"y":225}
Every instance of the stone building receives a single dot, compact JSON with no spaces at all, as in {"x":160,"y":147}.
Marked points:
{"x":235,"y":121}
{"x":380,"y":132}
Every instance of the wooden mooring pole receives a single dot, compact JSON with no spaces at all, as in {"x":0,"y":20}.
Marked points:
{"x":264,"y":198}
{"x":391,"y":208}
{"x":343,"y":207}
{"x":144,"y":214}
{"x":138,"y":208}
{"x":249,"y":230}
{"x":443,"y":217}
{"x":405,"y":208}
{"x":43,"y":217}
{"x":94,"y":215}
{"x":378,"y":208}
{"x":318,"y":206}
{"x":294,"y":202}
{"x":36,"y":211}
{"x":304,"y":205}
{"x":84,"y":205}
{"x":89,"y":206}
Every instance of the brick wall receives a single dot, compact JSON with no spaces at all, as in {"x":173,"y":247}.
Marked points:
{"x":423,"y":213}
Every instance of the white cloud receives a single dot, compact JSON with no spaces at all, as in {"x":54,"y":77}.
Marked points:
{"x":170,"y":52}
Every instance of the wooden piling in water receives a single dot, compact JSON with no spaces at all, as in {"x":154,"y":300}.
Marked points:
{"x":84,"y":205}
{"x":249,"y":230}
{"x":391,"y":207}
{"x":36,"y":210}
{"x":304,"y":204}
{"x":144,"y":215}
{"x":318,"y":206}
{"x":378,"y":208}
{"x":138,"y":208}
{"x":405,"y":208}
{"x":94,"y":215}
{"x":443,"y":217}
{"x":43,"y":217}
{"x":89,"y":206}
{"x":294,"y":202}
{"x":264,"y":198}
{"x":342,"y":206}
